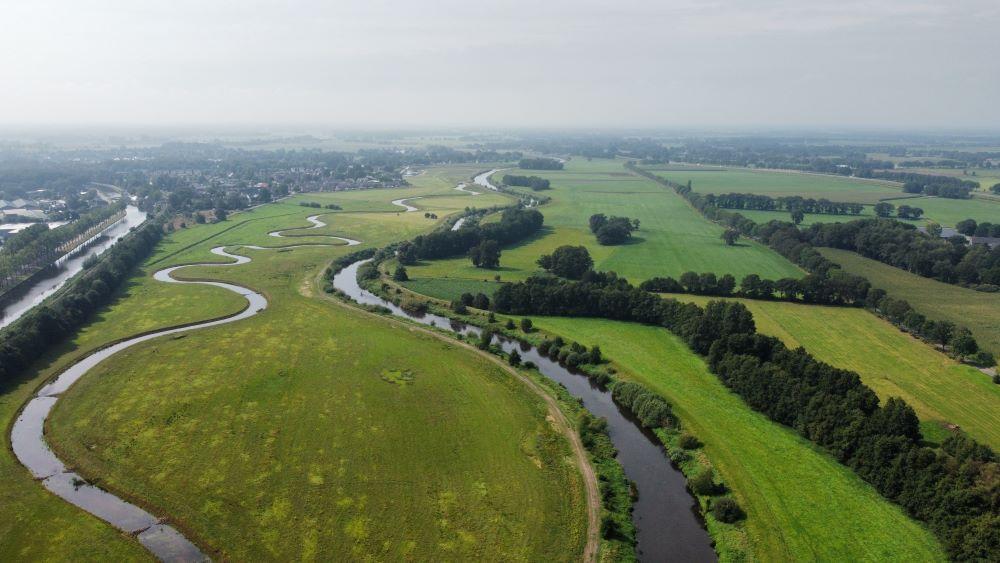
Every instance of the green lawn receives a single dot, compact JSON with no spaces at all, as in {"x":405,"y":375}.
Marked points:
{"x":800,"y":503}
{"x":673,"y":238}
{"x":978,"y":311}
{"x":309,"y":442}
{"x":776,"y":183}
{"x":889,"y":361}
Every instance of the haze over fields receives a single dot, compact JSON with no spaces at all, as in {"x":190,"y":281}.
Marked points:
{"x":775,"y":63}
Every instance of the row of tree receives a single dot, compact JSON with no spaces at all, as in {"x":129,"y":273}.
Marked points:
{"x":612,"y":230}
{"x":834,"y":288}
{"x":540,"y":163}
{"x":534,"y":182}
{"x":973,"y":229}
{"x":929,"y":184}
{"x":787,"y":203}
{"x":955,"y":489}
{"x":48,"y":324}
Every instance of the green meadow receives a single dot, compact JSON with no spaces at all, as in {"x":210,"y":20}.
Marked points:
{"x":892,"y":363}
{"x":801,"y":504}
{"x":321,"y":432}
{"x":978,"y":311}
{"x":672,"y":238}
{"x":777,"y":183}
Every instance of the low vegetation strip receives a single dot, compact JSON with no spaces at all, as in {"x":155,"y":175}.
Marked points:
{"x":831,"y":407}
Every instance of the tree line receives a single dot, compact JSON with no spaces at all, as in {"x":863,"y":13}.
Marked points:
{"x":785,"y":203}
{"x":929,"y":184}
{"x":540,"y":163}
{"x":534,"y":182}
{"x":973,"y":229}
{"x":954,"y":489}
{"x":30,"y":337}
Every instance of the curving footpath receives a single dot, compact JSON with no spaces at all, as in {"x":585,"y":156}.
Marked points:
{"x":316,"y":224}
{"x":27,"y":436}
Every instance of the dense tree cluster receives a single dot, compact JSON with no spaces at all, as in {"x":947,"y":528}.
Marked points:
{"x":515,"y":224}
{"x":903,"y":246}
{"x":534,"y":182}
{"x":787,"y":203}
{"x":540,"y":163}
{"x":954,"y":489}
{"x":928,"y":184}
{"x":651,"y":410}
{"x":612,"y":230}
{"x":34,"y":334}
{"x":570,"y":262}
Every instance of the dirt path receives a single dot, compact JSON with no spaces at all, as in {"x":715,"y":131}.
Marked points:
{"x":579,"y":452}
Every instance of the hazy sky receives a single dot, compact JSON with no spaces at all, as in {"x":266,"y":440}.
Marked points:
{"x":620,"y":63}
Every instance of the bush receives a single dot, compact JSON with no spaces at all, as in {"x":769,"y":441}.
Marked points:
{"x":703,"y":483}
{"x":509,"y":325}
{"x":526,"y":325}
{"x":727,"y":510}
{"x":688,"y":442}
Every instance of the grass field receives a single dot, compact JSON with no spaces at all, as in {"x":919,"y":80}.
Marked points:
{"x":801,"y":504}
{"x":948,"y":212}
{"x":978,"y":311}
{"x":774,"y":183}
{"x":889,"y":361}
{"x":810,"y":218}
{"x":311,"y":444}
{"x":672,"y":239}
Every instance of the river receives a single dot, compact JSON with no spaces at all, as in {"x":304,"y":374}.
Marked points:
{"x":69,"y":268}
{"x":665,"y":514}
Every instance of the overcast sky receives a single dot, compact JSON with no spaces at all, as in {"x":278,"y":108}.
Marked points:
{"x":620,"y":63}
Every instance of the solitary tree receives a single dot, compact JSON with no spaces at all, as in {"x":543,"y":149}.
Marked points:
{"x":798,"y":216}
{"x":568,"y":261}
{"x":486,"y":254}
{"x":526,"y":325}
{"x":883,"y":209}
{"x":731,"y":236}
{"x":400,"y":274}
{"x":934,"y":229}
{"x":515,"y":358}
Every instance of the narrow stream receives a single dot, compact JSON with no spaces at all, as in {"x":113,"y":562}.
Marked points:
{"x":27,"y":437}
{"x":69,"y":267}
{"x":665,"y":514}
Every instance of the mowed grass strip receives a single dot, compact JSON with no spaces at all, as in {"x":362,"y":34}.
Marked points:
{"x":978,"y":311}
{"x":893,"y":363}
{"x":672,"y":239}
{"x":308,"y":444}
{"x":801,"y":504}
{"x":777,"y":183}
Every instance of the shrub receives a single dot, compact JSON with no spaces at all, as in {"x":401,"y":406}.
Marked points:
{"x":459,"y":307}
{"x":509,"y":325}
{"x":526,"y":325}
{"x":727,"y":510}
{"x":703,"y":483}
{"x":688,"y":442}
{"x":515,"y":358}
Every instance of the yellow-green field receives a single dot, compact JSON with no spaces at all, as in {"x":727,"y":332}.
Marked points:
{"x":978,"y":311}
{"x":892,"y":363}
{"x":801,"y":504}
{"x":289,"y":434}
{"x":673,"y":238}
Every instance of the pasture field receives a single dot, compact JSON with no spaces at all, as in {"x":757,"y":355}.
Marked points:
{"x":892,"y":363}
{"x":309,"y":444}
{"x":673,"y":238}
{"x":948,"y":212}
{"x":978,"y":311}
{"x":777,"y":183}
{"x":801,"y":504}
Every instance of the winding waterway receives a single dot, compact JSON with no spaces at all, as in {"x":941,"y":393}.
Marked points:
{"x":27,"y":436}
{"x":316,"y":224}
{"x":665,"y":514}
{"x":69,"y":267}
{"x":402,"y":203}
